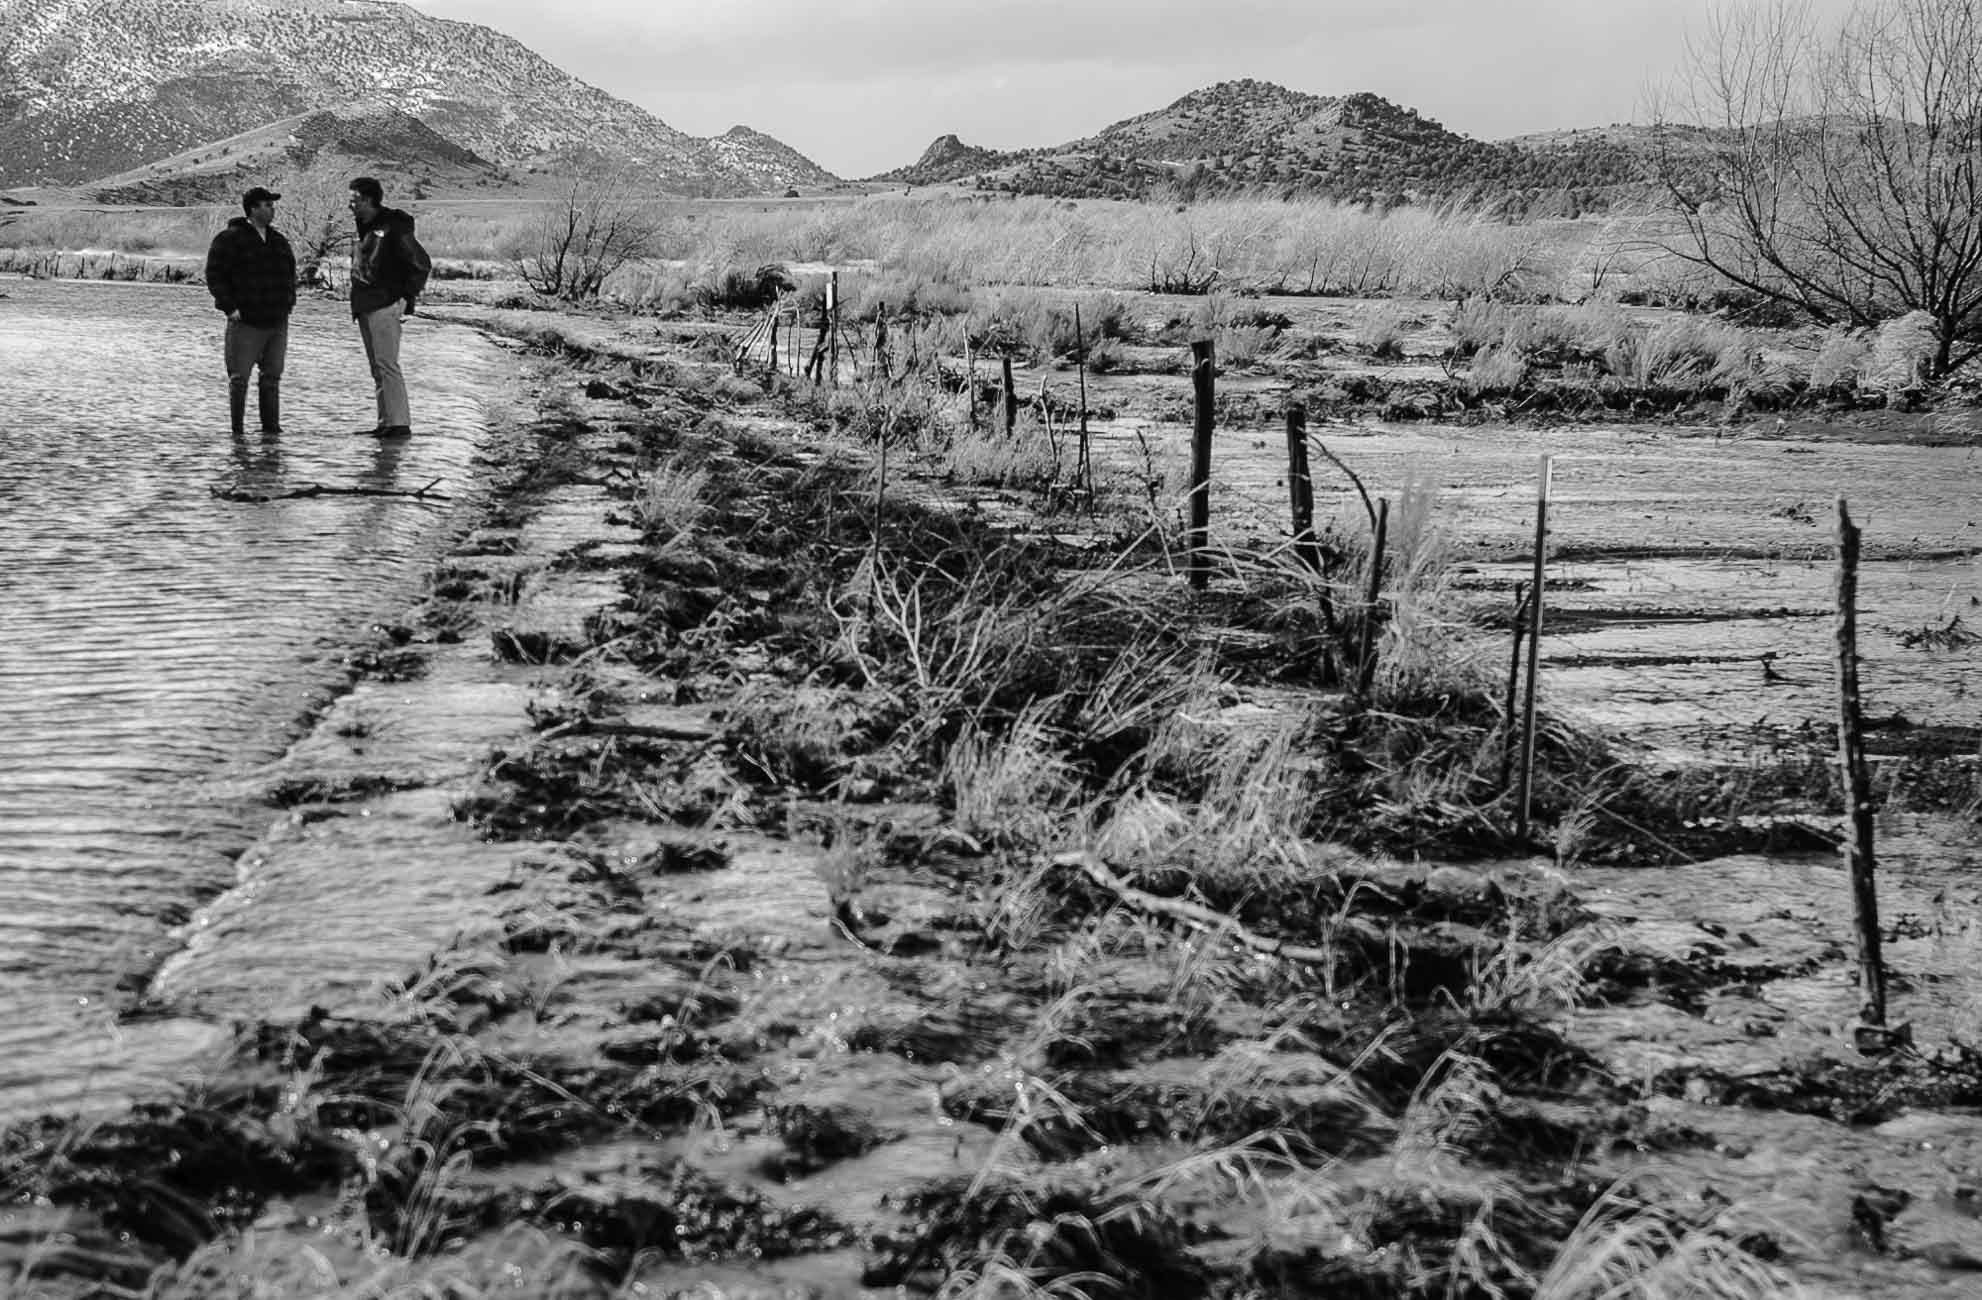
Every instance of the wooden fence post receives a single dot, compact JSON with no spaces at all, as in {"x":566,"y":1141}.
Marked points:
{"x":1204,"y":370}
{"x":1300,"y":487}
{"x":833,"y":324}
{"x":970,"y":380}
{"x":1083,"y":466}
{"x":881,"y":346}
{"x":1011,"y":398}
{"x":1871,"y":1033}
{"x":1527,"y":774}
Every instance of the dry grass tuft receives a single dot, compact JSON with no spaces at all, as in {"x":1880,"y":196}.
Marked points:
{"x":1630,"y":1247}
{"x":669,"y":501}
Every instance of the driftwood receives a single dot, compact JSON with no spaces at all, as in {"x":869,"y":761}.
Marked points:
{"x":326,"y":490}
{"x":1202,"y":918}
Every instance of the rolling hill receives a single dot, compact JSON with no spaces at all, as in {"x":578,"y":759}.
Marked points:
{"x":1256,"y":137}
{"x":150,"y":92}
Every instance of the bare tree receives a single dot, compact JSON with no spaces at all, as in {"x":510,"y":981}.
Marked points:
{"x":1837,"y":171}
{"x":315,"y":213}
{"x":596,"y":225}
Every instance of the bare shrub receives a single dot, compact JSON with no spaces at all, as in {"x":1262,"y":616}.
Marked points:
{"x":1535,"y":332}
{"x":599,"y":223}
{"x":1380,"y":331}
{"x":735,"y":289}
{"x":1478,"y":323}
{"x":1840,"y":170}
{"x":1902,"y":353}
{"x":1496,"y":369}
{"x":1453,"y":254}
{"x":1590,"y":330}
{"x":315,"y":215}
{"x":1245,"y":345}
{"x":1026,"y":323}
{"x":1105,"y":356}
{"x":900,"y":293}
{"x":1023,"y":458}
{"x":1840,"y":360}
{"x":1682,"y":353}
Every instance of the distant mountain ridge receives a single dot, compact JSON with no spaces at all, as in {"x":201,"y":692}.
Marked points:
{"x":95,"y":88}
{"x":1250,"y":136}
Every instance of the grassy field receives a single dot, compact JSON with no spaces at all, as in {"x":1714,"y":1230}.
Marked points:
{"x":1240,"y":245}
{"x":1505,"y":309}
{"x":922,"y":889}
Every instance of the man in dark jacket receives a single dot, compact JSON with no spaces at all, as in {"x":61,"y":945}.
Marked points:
{"x":388,"y":270}
{"x":251,"y":273}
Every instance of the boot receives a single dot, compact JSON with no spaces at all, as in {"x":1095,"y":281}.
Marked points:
{"x":237,"y":408}
{"x":270,"y":400}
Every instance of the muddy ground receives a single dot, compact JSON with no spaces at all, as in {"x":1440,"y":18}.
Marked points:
{"x":763,"y":990}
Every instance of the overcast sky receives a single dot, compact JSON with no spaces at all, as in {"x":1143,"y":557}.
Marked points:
{"x":862,"y":86}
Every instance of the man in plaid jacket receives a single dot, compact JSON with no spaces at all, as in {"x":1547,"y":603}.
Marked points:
{"x":251,"y":273}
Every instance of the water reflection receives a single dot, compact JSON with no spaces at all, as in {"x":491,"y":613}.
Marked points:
{"x":165,"y":613}
{"x":259,"y":459}
{"x":383,"y":473}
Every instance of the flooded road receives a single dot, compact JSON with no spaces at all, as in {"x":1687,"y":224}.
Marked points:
{"x":158,"y":643}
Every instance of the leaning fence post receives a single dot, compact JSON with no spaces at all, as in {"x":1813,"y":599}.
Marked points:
{"x":1871,"y":1033}
{"x":1204,"y":369}
{"x":1527,"y":774}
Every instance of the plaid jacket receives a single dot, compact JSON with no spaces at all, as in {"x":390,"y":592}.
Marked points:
{"x":255,"y":275}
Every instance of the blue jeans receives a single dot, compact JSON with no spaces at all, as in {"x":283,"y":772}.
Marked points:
{"x":380,"y":332}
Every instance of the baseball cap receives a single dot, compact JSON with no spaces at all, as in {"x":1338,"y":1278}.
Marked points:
{"x":258,"y":195}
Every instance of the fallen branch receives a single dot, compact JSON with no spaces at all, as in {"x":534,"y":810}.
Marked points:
{"x":324,"y":490}
{"x":1200,"y":917}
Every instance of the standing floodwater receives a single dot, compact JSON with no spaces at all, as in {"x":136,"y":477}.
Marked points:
{"x":158,"y":641}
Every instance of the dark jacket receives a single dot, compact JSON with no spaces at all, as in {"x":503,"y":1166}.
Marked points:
{"x":388,"y":265}
{"x":254,"y":275}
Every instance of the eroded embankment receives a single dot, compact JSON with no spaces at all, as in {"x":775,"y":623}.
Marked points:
{"x":876,"y":895}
